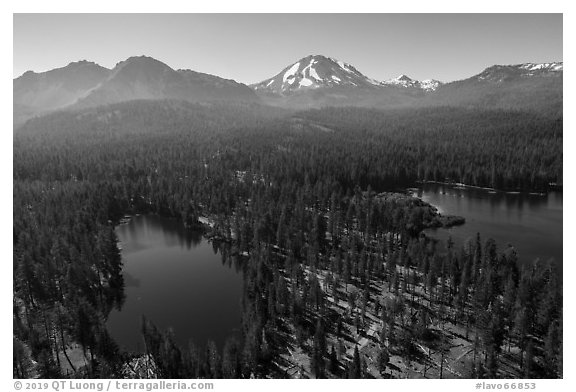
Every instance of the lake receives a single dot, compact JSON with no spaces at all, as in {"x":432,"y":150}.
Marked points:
{"x":177,"y":279}
{"x":531,"y":223}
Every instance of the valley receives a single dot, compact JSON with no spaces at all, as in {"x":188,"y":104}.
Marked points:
{"x":331,"y":254}
{"x":261,"y":197}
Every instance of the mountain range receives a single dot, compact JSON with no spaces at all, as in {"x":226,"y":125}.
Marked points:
{"x":86,"y":84}
{"x":311,"y":82}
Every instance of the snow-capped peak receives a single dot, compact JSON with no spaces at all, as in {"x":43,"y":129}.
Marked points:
{"x":553,"y":67}
{"x":315,"y":71}
{"x":500,"y":73}
{"x":407,"y":82}
{"x":401,"y":80}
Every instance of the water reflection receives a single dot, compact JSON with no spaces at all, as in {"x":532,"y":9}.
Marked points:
{"x":178,"y":280}
{"x":142,"y":233}
{"x":532,"y":223}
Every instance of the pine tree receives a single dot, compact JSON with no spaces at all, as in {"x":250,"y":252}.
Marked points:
{"x":521,"y":331}
{"x":213,"y":359}
{"x":530,"y":365}
{"x":334,"y":369}
{"x":382,"y":360}
{"x":22,"y":362}
{"x":551,"y":350}
{"x":355,"y":367}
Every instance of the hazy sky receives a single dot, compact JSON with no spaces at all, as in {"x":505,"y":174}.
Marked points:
{"x":252,"y":47}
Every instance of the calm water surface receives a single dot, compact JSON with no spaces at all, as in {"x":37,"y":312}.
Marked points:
{"x":531,"y":223}
{"x":177,"y":279}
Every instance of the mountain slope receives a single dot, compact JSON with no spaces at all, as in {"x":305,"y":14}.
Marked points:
{"x":319,"y":81}
{"x":527,"y":86}
{"x":85,"y":84}
{"x":146,"y":78}
{"x":311,"y":82}
{"x":407,"y":82}
{"x":41,"y":92}
{"x":312,"y":72}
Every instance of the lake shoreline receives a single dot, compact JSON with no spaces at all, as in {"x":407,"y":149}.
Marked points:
{"x":552,"y":187}
{"x":531,"y":223}
{"x":158,"y":247}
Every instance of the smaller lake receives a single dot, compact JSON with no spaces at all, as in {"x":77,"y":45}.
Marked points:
{"x":531,"y":223}
{"x":177,"y":279}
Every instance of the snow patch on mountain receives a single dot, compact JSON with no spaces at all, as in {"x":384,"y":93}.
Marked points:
{"x":430,"y":84}
{"x":345,"y":66}
{"x":310,"y":71}
{"x":291,"y":72}
{"x":317,"y":71}
{"x":501,"y":73}
{"x":314,"y":74}
{"x":402,"y":80}
{"x":554,"y":67}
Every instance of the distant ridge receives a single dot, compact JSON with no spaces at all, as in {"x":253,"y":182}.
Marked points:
{"x":312,"y":81}
{"x":86,"y":84}
{"x":319,"y":81}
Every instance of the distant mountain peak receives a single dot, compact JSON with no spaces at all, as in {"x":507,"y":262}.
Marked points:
{"x":140,"y":58}
{"x":313,"y":81}
{"x":500,"y":73}
{"x":81,"y":62}
{"x":82,"y":65}
{"x":407,"y":82}
{"x":404,"y":78}
{"x":312,"y":72}
{"x":27,"y":74}
{"x":552,"y":67}
{"x":85,"y":84}
{"x":142,"y":61}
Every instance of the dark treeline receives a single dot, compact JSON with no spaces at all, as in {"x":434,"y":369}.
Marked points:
{"x":498,"y":149}
{"x":298,"y":202}
{"x":67,"y":274}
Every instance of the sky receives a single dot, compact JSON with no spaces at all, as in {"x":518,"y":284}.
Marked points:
{"x":252,"y":47}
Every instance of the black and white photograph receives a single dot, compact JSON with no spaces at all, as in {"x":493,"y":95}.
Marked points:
{"x":286,"y":196}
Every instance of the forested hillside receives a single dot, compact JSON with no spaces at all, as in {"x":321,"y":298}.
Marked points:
{"x":301,"y":202}
{"x":489,"y":148}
